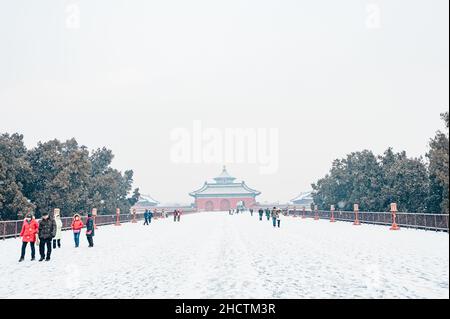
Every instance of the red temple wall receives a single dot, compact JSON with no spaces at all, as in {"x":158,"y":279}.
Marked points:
{"x":220,"y":204}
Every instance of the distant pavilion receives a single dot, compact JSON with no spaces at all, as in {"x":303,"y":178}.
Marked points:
{"x":224,"y":194}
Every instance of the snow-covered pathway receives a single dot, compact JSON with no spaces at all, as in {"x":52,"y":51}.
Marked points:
{"x":214,"y":255}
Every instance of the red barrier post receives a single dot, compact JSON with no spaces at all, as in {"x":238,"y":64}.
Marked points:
{"x":316,"y":212}
{"x":118,"y":217}
{"x":134,"y":216}
{"x":394,"y":217}
{"x":332,"y":214}
{"x":94,"y":214}
{"x":356,"y":210}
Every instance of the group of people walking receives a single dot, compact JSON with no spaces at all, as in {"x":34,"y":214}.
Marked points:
{"x":275,"y":214}
{"x":148,"y":215}
{"x":177,"y":215}
{"x":47,"y":234}
{"x":235,"y":211}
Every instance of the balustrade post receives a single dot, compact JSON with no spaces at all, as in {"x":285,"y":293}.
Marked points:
{"x":118,"y":217}
{"x":316,"y":212}
{"x":356,"y":210}
{"x":332,"y":220}
{"x":94,"y":215}
{"x":394,"y":217}
{"x":134,"y":216}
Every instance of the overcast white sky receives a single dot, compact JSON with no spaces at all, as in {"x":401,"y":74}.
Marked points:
{"x":323,"y":72}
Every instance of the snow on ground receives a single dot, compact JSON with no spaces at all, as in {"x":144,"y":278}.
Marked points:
{"x":214,"y":255}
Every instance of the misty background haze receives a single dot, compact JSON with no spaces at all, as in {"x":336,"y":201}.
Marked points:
{"x":132,"y":72}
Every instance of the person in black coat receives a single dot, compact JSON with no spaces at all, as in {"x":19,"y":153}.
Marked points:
{"x":150,"y":216}
{"x":47,"y":231}
{"x":261,"y":213}
{"x":90,"y":231}
{"x":146,"y":217}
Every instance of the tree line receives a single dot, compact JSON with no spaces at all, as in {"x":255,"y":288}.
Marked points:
{"x":415,"y":184}
{"x":63,"y":175}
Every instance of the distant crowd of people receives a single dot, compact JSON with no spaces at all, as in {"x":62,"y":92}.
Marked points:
{"x":149,"y":215}
{"x":47,"y":234}
{"x":275,"y":214}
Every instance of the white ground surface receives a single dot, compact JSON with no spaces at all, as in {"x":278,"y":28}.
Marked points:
{"x":214,"y":255}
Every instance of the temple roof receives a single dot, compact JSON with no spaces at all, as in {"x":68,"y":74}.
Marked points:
{"x":225,"y":185}
{"x":146,"y":200}
{"x":224,"y":177}
{"x":305,"y":196}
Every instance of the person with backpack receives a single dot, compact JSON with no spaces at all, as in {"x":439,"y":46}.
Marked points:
{"x":77,"y":225}
{"x":28,"y":233}
{"x":46,"y":232}
{"x":58,"y":222}
{"x":90,"y":231}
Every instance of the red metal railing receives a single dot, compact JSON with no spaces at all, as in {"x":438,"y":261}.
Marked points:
{"x":437,"y":222}
{"x":12,"y":228}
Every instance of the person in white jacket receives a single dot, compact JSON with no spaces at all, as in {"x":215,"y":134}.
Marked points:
{"x":279,"y":216}
{"x":57,"y":238}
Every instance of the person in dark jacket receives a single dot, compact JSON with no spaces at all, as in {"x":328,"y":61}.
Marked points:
{"x":90,"y":231}
{"x":146,"y":217}
{"x":175,"y":215}
{"x":268,"y":213}
{"x":261,"y":213}
{"x":150,"y":216}
{"x":47,"y":231}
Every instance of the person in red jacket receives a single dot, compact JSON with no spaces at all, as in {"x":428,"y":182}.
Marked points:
{"x":77,"y":225}
{"x":28,"y":233}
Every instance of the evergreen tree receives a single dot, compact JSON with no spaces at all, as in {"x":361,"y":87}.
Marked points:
{"x":14,"y":171}
{"x":61,"y":175}
{"x":438,"y":156}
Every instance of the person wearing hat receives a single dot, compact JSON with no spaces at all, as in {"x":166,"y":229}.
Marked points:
{"x":47,"y":231}
{"x":28,"y":233}
{"x":90,"y":231}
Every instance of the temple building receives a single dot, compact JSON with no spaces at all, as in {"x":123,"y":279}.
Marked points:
{"x":304,"y":199}
{"x":224,"y":194}
{"x":145,"y":202}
